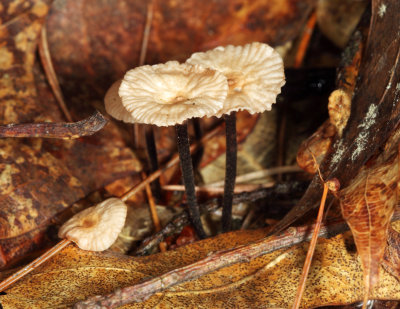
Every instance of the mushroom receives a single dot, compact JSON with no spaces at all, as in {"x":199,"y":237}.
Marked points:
{"x":114,"y":107}
{"x":95,"y":228}
{"x":168,"y":95}
{"x":255,"y":77}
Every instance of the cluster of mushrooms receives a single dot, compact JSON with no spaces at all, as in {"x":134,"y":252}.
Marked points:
{"x":217,"y":83}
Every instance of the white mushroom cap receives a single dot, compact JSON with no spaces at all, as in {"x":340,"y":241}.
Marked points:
{"x":96,"y":228}
{"x":168,"y":94}
{"x":254,"y":71}
{"x":113,"y":103}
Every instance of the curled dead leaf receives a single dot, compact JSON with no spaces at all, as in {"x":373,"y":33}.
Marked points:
{"x":367,"y":205}
{"x":316,"y":145}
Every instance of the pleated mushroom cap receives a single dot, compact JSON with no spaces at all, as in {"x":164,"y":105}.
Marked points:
{"x":254,"y":71}
{"x":170,"y":93}
{"x":96,"y":228}
{"x":113,"y":104}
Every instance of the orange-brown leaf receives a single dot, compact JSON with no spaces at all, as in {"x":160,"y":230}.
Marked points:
{"x":367,"y":205}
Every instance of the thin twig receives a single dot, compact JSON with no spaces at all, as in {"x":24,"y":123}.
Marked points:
{"x":152,"y":204}
{"x":62,"y":130}
{"x":305,"y":40}
{"x":154,"y":215}
{"x":311,"y":249}
{"x":219,"y":190}
{"x":51,"y":76}
{"x":136,"y":127}
{"x":332,"y":185}
{"x":260,"y":174}
{"x":146,"y":33}
{"x":181,"y":220}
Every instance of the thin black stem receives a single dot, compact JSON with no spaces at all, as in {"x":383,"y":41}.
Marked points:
{"x":188,"y":177}
{"x":230,"y":171}
{"x":198,"y":135}
{"x":153,"y":161}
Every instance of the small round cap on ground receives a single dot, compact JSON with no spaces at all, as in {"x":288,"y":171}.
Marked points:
{"x":113,"y":104}
{"x":254,"y":71}
{"x":96,"y":228}
{"x":170,"y":93}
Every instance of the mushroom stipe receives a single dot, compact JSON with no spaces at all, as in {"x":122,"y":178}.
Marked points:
{"x":255,"y":76}
{"x":198,"y":135}
{"x":188,"y":177}
{"x":230,"y":171}
{"x":153,"y":160}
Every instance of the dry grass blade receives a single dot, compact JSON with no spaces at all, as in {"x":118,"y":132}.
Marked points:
{"x":51,"y":76}
{"x":305,"y":40}
{"x":311,"y":250}
{"x":34,"y":264}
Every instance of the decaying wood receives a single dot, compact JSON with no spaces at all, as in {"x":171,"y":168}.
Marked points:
{"x":62,"y":130}
{"x":375,"y":109}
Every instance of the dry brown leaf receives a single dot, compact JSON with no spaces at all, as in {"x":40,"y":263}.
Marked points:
{"x":268,"y":281}
{"x":40,"y":178}
{"x":367,"y":205}
{"x":337,"y":19}
{"x":90,"y":57}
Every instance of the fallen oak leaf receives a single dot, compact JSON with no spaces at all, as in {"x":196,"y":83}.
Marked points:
{"x":62,"y":130}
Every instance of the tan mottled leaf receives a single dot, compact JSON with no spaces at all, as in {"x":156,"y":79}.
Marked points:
{"x":266,"y":282}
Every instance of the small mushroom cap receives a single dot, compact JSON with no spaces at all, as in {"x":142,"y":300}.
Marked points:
{"x":113,"y":104}
{"x":168,"y":94}
{"x":96,"y":228}
{"x":254,"y":71}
